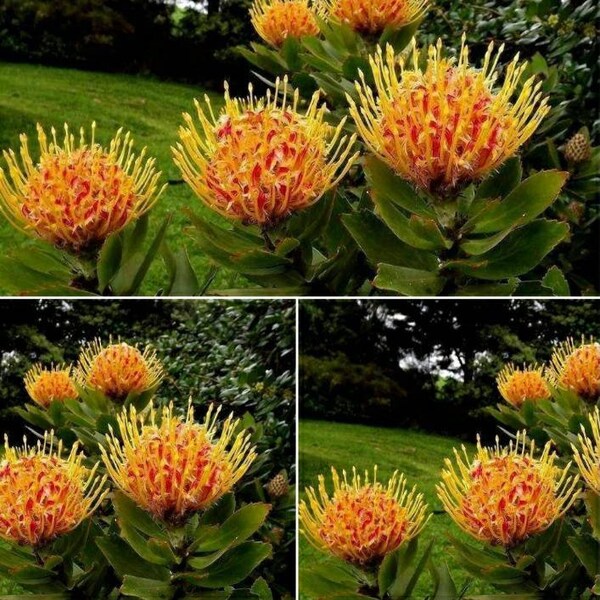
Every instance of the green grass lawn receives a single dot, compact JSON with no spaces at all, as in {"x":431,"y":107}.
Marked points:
{"x":149,"y":108}
{"x":419,"y":456}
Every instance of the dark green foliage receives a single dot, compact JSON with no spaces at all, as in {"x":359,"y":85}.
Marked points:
{"x":426,"y":364}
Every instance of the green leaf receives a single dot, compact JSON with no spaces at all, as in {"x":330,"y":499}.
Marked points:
{"x":380,"y":245}
{"x":400,"y":38}
{"x":489,"y":289}
{"x":587,"y":550}
{"x":592,"y":505}
{"x":556,"y":281}
{"x":182,"y":278}
{"x":408,"y":575}
{"x":385,"y":184}
{"x":140,"y":587}
{"x":517,"y":254}
{"x":219,"y":511}
{"x":444,"y":587}
{"x":128,"y":511}
{"x":131,"y":274}
{"x":109,"y":260}
{"x":233,"y":567}
{"x":501,"y":182}
{"x":261,"y":589}
{"x":236,"y":529}
{"x":331,"y":580}
{"x":522,"y":205}
{"x":127,"y":562}
{"x":407,"y":281}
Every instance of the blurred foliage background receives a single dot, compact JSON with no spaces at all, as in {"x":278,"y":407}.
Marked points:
{"x":429,"y":365}
{"x":240,"y":354}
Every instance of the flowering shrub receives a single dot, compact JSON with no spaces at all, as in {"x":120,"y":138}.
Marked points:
{"x":147,"y":504}
{"x":364,"y":169}
{"x":532,"y":507}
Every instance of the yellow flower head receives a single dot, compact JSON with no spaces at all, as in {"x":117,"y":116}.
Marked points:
{"x":44,"y":386}
{"x":43,"y":495}
{"x":587,"y":456}
{"x":277,"y":20}
{"x":371,"y":17}
{"x":172,"y":466}
{"x":505,"y":495}
{"x":76,"y":195}
{"x":517,"y":385}
{"x":261,"y":159}
{"x":577,"y":368}
{"x":446,"y":125}
{"x":119,"y":369}
{"x":361,"y":521}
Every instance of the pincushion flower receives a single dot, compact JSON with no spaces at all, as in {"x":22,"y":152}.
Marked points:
{"x":517,"y":385}
{"x":587,"y":455}
{"x":505,"y":495}
{"x":43,"y":495}
{"x":449,"y":124}
{"x":76,"y":194}
{"x":371,"y":17}
{"x":119,"y":369}
{"x":171,"y":466}
{"x":44,"y":385}
{"x":362,"y":521}
{"x":260,"y":160}
{"x":277,"y":20}
{"x":577,"y":368}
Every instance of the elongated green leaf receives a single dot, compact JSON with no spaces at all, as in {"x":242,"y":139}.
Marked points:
{"x":444,"y":586}
{"x":182,"y":278}
{"x":127,"y":562}
{"x":139,"y":587}
{"x":383,"y":182}
{"x":489,"y":289}
{"x":381,"y":246}
{"x":400,"y":38}
{"x":517,"y":254}
{"x":233,"y":567}
{"x":236,"y":529}
{"x":109,"y":260}
{"x":501,"y":182}
{"x":522,"y":205}
{"x":407,"y":281}
{"x":587,"y":550}
{"x":128,"y":511}
{"x":261,"y":589}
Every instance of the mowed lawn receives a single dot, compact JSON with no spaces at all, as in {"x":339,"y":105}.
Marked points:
{"x":419,"y":456}
{"x":150,"y":109}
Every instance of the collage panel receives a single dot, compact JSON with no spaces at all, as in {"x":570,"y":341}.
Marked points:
{"x":149,"y":449}
{"x":449,"y":449}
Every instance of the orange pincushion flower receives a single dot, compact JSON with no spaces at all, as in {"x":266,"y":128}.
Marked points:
{"x":43,"y":495}
{"x":447,"y":125}
{"x":75,"y":196}
{"x":587,"y":455}
{"x":119,"y":369}
{"x":277,"y":20}
{"x":172,"y":466}
{"x":44,"y":386}
{"x":505,"y":495}
{"x":362,"y":521}
{"x":517,"y":385}
{"x":577,"y":368}
{"x":373,"y":16}
{"x":261,"y":159}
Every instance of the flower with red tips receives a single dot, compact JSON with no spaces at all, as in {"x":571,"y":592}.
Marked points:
{"x":577,"y":368}
{"x":76,"y":194}
{"x":371,"y":17}
{"x":261,"y":160}
{"x":448,"y":124}
{"x":277,"y":20}
{"x":118,"y":370}
{"x":587,"y":453}
{"x":505,"y":495}
{"x":43,"y":495}
{"x":517,"y":385}
{"x":171,"y":466}
{"x":362,"y":521}
{"x":45,"y":386}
